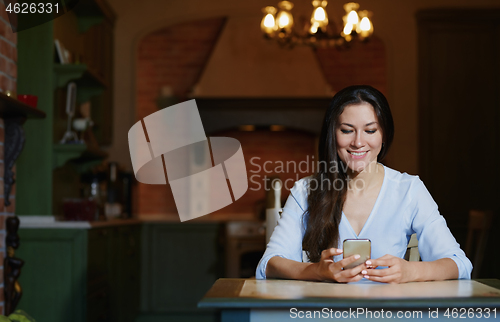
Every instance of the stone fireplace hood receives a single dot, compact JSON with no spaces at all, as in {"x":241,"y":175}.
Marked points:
{"x":218,"y":114}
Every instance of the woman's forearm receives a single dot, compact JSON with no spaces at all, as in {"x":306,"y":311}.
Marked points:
{"x":278,"y":267}
{"x":438,"y":270}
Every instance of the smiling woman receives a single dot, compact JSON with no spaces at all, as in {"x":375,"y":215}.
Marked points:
{"x":375,"y":203}
{"x":359,"y":137}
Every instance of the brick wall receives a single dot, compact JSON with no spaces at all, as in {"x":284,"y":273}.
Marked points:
{"x":8,"y":75}
{"x":361,"y":64}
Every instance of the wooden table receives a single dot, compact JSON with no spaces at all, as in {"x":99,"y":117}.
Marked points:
{"x":248,"y":300}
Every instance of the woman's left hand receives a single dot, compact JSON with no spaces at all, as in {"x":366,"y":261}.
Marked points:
{"x":398,"y":270}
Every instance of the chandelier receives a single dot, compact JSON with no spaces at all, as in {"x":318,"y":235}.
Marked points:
{"x":278,"y":25}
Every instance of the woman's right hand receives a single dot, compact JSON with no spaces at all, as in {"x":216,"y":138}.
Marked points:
{"x":328,"y":269}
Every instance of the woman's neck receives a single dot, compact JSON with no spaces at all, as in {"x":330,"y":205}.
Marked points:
{"x":365,"y":179}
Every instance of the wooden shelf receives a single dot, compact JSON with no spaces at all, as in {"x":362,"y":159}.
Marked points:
{"x":88,"y":82}
{"x":11,"y":107}
{"x":80,"y":155}
{"x":65,"y":152}
{"x":77,"y":72}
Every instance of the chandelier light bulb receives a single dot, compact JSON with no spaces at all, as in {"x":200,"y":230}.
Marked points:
{"x":283,"y":21}
{"x":269,"y":21}
{"x":352,"y":17}
{"x":319,"y":14}
{"x":348,"y":28}
{"x":284,"y":17}
{"x":365,"y":24}
{"x":314,"y":28}
{"x":268,"y":24}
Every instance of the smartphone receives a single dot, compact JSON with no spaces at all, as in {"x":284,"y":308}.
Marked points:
{"x":362,"y":247}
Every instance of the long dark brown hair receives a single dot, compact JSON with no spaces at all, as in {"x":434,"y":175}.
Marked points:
{"x":326,"y":197}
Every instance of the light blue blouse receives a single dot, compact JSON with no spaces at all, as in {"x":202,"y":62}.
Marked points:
{"x":403,"y":207}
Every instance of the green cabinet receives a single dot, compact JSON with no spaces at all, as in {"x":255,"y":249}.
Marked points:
{"x":180,"y":262}
{"x":81,"y":274}
{"x":125,"y":273}
{"x":148,"y":272}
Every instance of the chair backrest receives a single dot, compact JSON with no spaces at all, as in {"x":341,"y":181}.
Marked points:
{"x":412,"y":253}
{"x":477,"y":237}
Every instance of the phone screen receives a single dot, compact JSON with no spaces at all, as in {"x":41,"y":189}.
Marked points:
{"x":361,"y":247}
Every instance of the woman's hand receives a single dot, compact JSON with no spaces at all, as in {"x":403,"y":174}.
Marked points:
{"x":398,"y":270}
{"x":329,"y":270}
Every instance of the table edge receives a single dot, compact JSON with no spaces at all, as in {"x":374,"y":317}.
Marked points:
{"x":212,"y":300}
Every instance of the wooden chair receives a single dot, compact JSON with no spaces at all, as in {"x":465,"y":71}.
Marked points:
{"x":412,"y":253}
{"x":477,"y":237}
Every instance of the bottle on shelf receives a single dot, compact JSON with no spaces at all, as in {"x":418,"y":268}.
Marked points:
{"x":113,"y":208}
{"x":94,"y":192}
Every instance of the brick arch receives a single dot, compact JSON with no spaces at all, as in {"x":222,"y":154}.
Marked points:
{"x":361,"y":64}
{"x":173,"y":56}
